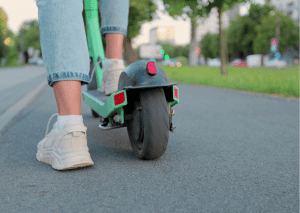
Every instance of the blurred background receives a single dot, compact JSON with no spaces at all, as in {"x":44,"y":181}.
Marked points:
{"x":255,"y":44}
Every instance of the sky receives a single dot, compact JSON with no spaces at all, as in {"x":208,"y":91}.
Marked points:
{"x":19,"y":11}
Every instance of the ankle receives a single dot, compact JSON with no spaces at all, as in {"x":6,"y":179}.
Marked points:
{"x":62,"y":120}
{"x":109,"y":61}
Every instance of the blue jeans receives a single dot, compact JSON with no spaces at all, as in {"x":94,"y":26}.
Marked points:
{"x":63,"y":39}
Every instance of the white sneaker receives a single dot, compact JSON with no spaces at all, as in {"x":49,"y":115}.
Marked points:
{"x":65,"y":149}
{"x":112,"y":70}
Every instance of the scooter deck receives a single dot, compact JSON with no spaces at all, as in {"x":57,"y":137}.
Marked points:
{"x":104,"y":105}
{"x":99,"y":95}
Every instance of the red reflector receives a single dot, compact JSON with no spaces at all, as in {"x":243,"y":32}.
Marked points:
{"x":119,"y":98}
{"x":176,"y":92}
{"x":151,"y":68}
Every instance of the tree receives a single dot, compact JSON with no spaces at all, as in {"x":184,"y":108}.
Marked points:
{"x":2,"y":45}
{"x":29,"y":36}
{"x":195,"y":9}
{"x":8,"y":45}
{"x":140,"y":11}
{"x":242,"y":32}
{"x":32,"y":39}
{"x":222,"y":5}
{"x":3,"y":17}
{"x":12,"y":52}
{"x":137,"y":50}
{"x":210,"y":45}
{"x":289,"y":33}
{"x":187,"y":9}
{"x":3,"y":30}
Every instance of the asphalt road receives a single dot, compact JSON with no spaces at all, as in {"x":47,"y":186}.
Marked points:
{"x":231,"y":152}
{"x":16,"y":82}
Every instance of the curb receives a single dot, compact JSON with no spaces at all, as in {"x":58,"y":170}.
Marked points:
{"x":14,"y":110}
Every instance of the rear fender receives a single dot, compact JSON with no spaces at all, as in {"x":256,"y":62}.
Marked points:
{"x":139,"y":76}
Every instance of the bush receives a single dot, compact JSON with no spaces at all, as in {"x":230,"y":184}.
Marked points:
{"x":184,"y":60}
{"x":210,"y":45}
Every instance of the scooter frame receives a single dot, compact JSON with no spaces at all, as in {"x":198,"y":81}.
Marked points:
{"x":112,"y":110}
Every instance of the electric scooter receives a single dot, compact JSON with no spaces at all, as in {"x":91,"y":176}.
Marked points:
{"x":143,"y":102}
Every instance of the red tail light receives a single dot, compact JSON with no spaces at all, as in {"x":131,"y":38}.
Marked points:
{"x":151,"y":68}
{"x":176,"y":92}
{"x":119,"y":98}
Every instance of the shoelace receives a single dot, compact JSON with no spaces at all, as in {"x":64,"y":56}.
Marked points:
{"x":49,"y":123}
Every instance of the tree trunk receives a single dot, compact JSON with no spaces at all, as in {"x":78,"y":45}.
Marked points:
{"x":222,"y":44}
{"x":278,"y":31}
{"x":226,"y":47}
{"x":193,"y":57}
{"x":26,"y":56}
{"x":131,"y":55}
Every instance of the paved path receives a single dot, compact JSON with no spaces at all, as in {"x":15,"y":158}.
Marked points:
{"x":231,"y":152}
{"x":16,"y":82}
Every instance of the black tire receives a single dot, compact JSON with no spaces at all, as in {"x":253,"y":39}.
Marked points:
{"x":95,"y":114}
{"x":148,"y":130}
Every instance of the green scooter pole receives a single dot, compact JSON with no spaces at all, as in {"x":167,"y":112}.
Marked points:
{"x":94,"y":39}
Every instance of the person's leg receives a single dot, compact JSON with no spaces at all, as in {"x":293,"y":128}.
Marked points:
{"x":114,"y":22}
{"x":63,"y":40}
{"x":68,"y":97}
{"x":114,"y":16}
{"x":114,"y":45}
{"x":66,"y":56}
{"x":65,"y":51}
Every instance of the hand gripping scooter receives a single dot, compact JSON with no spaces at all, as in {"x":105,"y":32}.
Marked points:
{"x":143,"y":101}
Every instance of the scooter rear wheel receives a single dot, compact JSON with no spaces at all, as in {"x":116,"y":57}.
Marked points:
{"x":148,"y":130}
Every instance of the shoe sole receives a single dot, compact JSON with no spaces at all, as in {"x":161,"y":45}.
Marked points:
{"x":65,"y":159}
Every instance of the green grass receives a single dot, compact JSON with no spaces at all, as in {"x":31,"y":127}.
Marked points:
{"x":13,"y":65}
{"x":283,"y":82}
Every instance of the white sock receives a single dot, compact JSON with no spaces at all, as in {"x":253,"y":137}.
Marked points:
{"x":108,"y":62}
{"x":68,"y":119}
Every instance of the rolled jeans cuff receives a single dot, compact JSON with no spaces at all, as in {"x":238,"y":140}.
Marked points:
{"x":113,"y":29}
{"x":68,"y":75}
